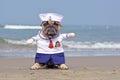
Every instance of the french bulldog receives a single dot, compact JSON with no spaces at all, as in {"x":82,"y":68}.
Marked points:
{"x":50,"y":52}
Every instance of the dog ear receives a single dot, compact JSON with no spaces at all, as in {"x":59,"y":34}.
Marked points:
{"x":41,"y":23}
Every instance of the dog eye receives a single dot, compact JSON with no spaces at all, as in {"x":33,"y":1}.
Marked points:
{"x":57,"y":23}
{"x":45,"y":23}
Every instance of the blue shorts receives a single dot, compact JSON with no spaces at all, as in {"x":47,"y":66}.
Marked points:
{"x":56,"y":58}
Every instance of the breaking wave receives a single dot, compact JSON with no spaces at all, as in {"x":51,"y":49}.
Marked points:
{"x":21,"y":27}
{"x":17,"y":42}
{"x":74,"y":45}
{"x":92,"y":45}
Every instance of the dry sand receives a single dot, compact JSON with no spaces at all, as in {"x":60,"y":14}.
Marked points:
{"x":81,"y":68}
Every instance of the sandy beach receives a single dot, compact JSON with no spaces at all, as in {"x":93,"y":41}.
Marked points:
{"x":81,"y":68}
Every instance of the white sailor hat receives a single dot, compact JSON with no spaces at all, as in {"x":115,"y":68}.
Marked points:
{"x":51,"y":17}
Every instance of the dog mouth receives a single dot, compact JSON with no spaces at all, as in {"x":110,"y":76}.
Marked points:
{"x":50,"y":31}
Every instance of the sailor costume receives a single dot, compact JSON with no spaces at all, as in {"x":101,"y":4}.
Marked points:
{"x":44,"y":53}
{"x":49,"y":49}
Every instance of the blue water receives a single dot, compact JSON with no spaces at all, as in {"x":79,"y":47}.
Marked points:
{"x":90,"y":40}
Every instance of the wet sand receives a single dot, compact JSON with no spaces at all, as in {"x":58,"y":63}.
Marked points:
{"x":81,"y":68}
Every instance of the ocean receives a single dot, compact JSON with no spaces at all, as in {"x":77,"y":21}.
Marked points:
{"x":90,"y":40}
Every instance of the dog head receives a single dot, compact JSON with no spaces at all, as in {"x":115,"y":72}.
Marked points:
{"x":50,"y":29}
{"x":50,"y":24}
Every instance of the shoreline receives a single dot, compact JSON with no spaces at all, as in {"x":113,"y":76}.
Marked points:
{"x":81,"y":68}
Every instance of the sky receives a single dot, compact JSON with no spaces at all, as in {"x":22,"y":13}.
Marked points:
{"x":75,"y":12}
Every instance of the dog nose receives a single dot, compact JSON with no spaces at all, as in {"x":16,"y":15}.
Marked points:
{"x":51,"y":30}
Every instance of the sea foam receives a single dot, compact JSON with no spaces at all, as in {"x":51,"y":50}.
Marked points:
{"x":21,"y":27}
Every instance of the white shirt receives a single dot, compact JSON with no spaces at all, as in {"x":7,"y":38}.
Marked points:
{"x":43,"y":44}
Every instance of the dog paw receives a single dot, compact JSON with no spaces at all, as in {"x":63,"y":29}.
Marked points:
{"x":37,"y":66}
{"x":63,"y":67}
